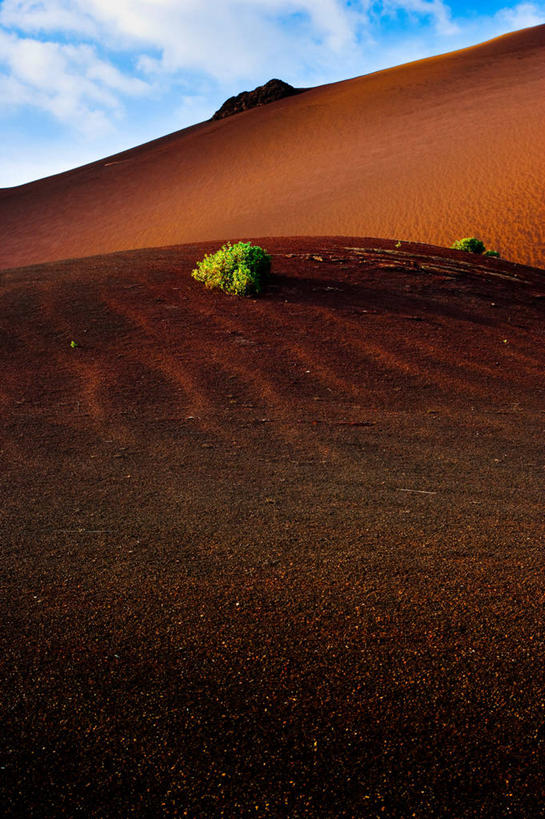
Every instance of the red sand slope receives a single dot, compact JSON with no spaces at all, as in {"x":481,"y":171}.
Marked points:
{"x":430,"y":151}
{"x":275,"y":557}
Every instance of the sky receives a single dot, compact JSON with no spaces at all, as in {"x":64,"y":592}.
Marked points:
{"x":84,"y":79}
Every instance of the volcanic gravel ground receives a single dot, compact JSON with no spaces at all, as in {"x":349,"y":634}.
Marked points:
{"x":273,"y":557}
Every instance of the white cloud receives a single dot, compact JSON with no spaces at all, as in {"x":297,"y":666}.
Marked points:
{"x":223,"y":38}
{"x":35,"y":16}
{"x":227,"y":38}
{"x":68,"y":81}
{"x":522,"y":16}
{"x":230,"y":40}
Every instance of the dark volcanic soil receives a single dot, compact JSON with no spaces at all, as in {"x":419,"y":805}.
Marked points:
{"x":273,"y":557}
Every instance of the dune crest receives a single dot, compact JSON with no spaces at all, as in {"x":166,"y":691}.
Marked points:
{"x":430,"y":151}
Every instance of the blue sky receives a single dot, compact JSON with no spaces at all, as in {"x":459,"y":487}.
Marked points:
{"x":82,"y":79}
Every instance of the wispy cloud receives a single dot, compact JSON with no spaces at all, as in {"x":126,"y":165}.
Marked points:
{"x":522,"y":16}
{"x":69,"y":81}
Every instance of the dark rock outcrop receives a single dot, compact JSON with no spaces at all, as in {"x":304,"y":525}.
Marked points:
{"x":262,"y":95}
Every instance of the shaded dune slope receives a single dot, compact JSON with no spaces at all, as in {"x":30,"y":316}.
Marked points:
{"x":430,"y":151}
{"x":279,"y":556}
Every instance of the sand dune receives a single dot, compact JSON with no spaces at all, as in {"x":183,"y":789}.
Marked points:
{"x":429,"y":151}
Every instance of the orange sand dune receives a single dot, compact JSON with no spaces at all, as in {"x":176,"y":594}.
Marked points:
{"x":430,"y":151}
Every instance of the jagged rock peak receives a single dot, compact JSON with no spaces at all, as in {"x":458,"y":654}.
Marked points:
{"x":262,"y":95}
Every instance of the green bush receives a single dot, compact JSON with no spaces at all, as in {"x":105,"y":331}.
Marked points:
{"x":470,"y":244}
{"x":491,"y":253}
{"x":242,"y":268}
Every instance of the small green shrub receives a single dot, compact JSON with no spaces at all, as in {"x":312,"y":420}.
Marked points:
{"x":242,"y":269}
{"x":491,"y":253}
{"x":470,"y":244}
